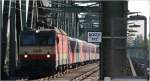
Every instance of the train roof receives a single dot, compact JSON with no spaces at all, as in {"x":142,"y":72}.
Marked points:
{"x":46,"y":29}
{"x":57,"y":30}
{"x":81,"y":41}
{"x":77,"y":40}
{"x":72,"y":39}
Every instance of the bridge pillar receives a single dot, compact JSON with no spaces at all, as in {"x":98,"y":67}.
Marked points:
{"x":113,"y":62}
{"x":0,"y":33}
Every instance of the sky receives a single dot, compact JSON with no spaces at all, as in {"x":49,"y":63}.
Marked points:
{"x":142,"y":6}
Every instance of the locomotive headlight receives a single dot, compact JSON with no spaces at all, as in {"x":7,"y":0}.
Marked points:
{"x":25,"y":56}
{"x":48,"y":56}
{"x":37,"y":31}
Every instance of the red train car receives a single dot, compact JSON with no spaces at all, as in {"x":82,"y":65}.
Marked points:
{"x":52,"y":50}
{"x":46,"y":48}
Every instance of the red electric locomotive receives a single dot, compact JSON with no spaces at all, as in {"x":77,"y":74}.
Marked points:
{"x":52,"y":50}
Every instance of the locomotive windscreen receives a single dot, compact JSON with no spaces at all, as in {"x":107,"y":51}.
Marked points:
{"x":42,"y":38}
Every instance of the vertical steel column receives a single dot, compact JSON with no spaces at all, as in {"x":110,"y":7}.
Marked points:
{"x":73,"y":27}
{"x":20,"y":21}
{"x":29,"y":17}
{"x":77,"y":25}
{"x":58,"y":17}
{"x":4,"y":37}
{"x":57,"y":20}
{"x":146,"y":43}
{"x":23,"y":14}
{"x":0,"y":33}
{"x":18,"y":26}
{"x":74,"y":23}
{"x":65,"y":19}
{"x":65,"y":23}
{"x":12,"y":45}
{"x":69,"y":24}
{"x":146,"y":46}
{"x":54,"y":15}
{"x":34,"y":15}
{"x":62,"y":20}
{"x":114,"y":50}
{"x":18,"y":16}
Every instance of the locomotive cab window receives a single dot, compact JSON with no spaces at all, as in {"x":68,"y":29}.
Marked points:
{"x":28,"y":39}
{"x":40,"y":39}
{"x":46,"y":38}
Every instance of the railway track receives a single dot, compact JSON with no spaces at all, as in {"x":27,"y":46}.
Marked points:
{"x":76,"y":74}
{"x":87,"y":74}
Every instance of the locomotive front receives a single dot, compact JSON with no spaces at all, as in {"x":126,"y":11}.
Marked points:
{"x":37,"y":50}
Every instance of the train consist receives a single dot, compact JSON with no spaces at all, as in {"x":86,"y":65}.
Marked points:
{"x":52,"y":50}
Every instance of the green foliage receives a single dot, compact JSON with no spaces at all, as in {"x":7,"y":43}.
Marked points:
{"x":138,"y":42}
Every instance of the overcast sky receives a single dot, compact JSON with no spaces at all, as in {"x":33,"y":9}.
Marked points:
{"x":142,"y":6}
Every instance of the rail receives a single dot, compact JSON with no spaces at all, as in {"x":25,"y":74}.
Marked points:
{"x":86,"y":74}
{"x":132,"y":67}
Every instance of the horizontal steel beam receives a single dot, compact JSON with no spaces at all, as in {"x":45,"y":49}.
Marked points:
{"x":72,"y":9}
{"x":137,"y":17}
{"x":86,"y":1}
{"x":136,"y":48}
{"x":90,"y":29}
{"x":114,"y":37}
